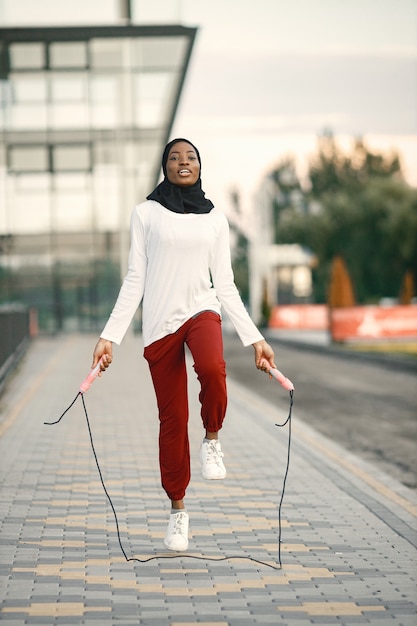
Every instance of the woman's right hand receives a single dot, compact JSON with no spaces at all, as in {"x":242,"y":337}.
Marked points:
{"x":104,"y":348}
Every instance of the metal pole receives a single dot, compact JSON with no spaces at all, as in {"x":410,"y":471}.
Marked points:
{"x":125,"y":11}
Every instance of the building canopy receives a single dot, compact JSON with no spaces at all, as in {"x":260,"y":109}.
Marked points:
{"x":84,"y":115}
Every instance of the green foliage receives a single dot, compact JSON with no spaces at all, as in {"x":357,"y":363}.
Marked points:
{"x":358,"y":207}
{"x":289,"y":198}
{"x":332,"y":170}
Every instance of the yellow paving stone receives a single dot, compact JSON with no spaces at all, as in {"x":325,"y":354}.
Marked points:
{"x":232,"y":587}
{"x":331,"y":608}
{"x":292,"y":547}
{"x":189,"y":591}
{"x":96,"y":580}
{"x":232,"y":517}
{"x":307,"y":573}
{"x":133,"y":584}
{"x":78,"y":570}
{"x":314,"y":572}
{"x":255,"y":505}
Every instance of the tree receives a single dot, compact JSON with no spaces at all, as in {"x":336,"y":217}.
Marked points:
{"x":332,"y":170}
{"x":364,"y":212}
{"x":340,"y":289}
{"x":407,"y":288}
{"x":289,"y":197}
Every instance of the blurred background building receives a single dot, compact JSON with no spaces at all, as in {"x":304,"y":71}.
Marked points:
{"x":91,"y":91}
{"x":85,"y":111}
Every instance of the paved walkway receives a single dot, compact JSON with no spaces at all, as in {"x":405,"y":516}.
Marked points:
{"x":348,"y":532}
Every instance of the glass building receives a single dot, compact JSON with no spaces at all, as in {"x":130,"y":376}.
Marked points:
{"x":84,"y":115}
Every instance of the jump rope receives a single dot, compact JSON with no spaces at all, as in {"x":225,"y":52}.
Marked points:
{"x":273,"y":373}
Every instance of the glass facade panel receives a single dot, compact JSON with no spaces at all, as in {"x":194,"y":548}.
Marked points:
{"x":29,"y":158}
{"x":104,"y":116}
{"x":103,"y":88}
{"x":31,"y":215}
{"x":72,"y":54}
{"x":68,"y":88}
{"x":71,"y":181}
{"x":154,"y":92}
{"x":105,"y":153}
{"x":34,"y":183}
{"x":72,"y":211}
{"x":83,"y":121}
{"x":107,"y":53}
{"x":105,"y":95}
{"x":108,"y":195}
{"x":29,"y":89}
{"x":28,"y":117}
{"x":69,"y":115}
{"x":27,"y":56}
{"x":159,"y":52}
{"x":71,"y":158}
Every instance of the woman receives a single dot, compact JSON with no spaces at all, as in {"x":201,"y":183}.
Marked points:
{"x":180,"y":268}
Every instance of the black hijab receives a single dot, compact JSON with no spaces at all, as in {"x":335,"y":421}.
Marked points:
{"x":178,"y":199}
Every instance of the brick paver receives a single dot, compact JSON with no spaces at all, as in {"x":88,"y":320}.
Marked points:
{"x":349,"y":532}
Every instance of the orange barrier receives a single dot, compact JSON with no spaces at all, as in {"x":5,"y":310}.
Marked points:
{"x":301,"y":316}
{"x":359,"y":322}
{"x":374,"y":322}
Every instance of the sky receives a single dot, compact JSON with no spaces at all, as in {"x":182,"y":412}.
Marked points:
{"x":267,"y":77}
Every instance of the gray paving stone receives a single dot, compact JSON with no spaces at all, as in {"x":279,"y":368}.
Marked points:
{"x":59,"y":537}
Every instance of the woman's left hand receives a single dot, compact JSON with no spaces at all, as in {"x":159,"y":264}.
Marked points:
{"x":264,"y":352}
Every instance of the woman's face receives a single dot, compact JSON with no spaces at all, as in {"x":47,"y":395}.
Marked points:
{"x":183,"y":167}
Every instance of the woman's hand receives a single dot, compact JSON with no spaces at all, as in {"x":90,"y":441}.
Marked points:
{"x":104,"y":348}
{"x":264,"y":352}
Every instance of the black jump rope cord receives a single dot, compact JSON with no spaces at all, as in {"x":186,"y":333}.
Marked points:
{"x":188,"y":556}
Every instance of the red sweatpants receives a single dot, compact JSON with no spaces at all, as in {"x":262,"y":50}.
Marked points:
{"x":166,"y":358}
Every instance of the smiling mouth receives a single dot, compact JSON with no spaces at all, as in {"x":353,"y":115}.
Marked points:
{"x":184,"y":172}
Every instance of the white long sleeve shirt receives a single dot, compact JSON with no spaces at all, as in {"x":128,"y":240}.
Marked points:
{"x":179,"y":265}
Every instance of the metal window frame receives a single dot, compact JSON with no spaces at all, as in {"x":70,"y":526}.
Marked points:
{"x":49,"y":35}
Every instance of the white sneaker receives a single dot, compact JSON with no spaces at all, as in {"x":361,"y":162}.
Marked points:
{"x":176,"y":537}
{"x":211,"y":457}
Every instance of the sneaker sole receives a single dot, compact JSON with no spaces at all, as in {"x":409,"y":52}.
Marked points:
{"x":213,"y":477}
{"x":176,"y":549}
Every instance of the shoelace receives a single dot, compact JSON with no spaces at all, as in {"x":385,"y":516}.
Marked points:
{"x":214,"y":455}
{"x":179,"y":521}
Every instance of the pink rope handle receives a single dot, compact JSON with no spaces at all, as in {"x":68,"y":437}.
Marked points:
{"x":279,"y":376}
{"x":90,"y":378}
